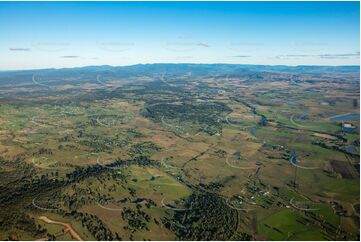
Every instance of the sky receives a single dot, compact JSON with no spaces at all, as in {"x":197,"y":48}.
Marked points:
{"x":37,"y":35}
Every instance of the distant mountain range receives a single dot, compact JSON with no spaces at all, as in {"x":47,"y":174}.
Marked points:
{"x":190,"y":66}
{"x":153,"y":70}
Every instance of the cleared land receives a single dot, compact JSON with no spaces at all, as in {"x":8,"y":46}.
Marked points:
{"x":247,"y":153}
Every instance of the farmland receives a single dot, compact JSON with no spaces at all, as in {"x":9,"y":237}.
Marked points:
{"x":190,"y":152}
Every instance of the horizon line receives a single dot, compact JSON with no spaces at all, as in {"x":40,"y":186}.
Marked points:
{"x":170,"y":63}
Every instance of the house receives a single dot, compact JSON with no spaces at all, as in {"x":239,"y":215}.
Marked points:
{"x":348,"y":127}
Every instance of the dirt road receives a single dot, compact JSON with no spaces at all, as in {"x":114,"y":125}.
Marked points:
{"x":72,"y":232}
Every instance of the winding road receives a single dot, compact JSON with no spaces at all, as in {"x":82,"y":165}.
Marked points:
{"x":72,"y":232}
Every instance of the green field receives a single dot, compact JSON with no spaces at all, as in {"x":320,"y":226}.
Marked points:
{"x":145,"y":160}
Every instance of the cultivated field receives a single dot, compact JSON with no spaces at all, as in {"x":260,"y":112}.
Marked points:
{"x":203,"y":152}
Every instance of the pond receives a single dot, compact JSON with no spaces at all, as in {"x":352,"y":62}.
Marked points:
{"x":237,"y":154}
{"x":125,"y":201}
{"x":351,"y":149}
{"x":347,"y":117}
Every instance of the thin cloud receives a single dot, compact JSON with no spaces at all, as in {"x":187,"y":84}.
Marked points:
{"x":296,"y":55}
{"x":334,"y":57}
{"x":50,"y":46}
{"x":323,"y":56}
{"x":181,"y":46}
{"x":341,"y":55}
{"x":69,"y":56}
{"x":241,"y":56}
{"x":19,"y":49}
{"x":203,"y":44}
{"x":178,"y":43}
{"x":115,"y":46}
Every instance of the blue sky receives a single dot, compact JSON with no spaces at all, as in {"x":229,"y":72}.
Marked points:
{"x":67,"y":34}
